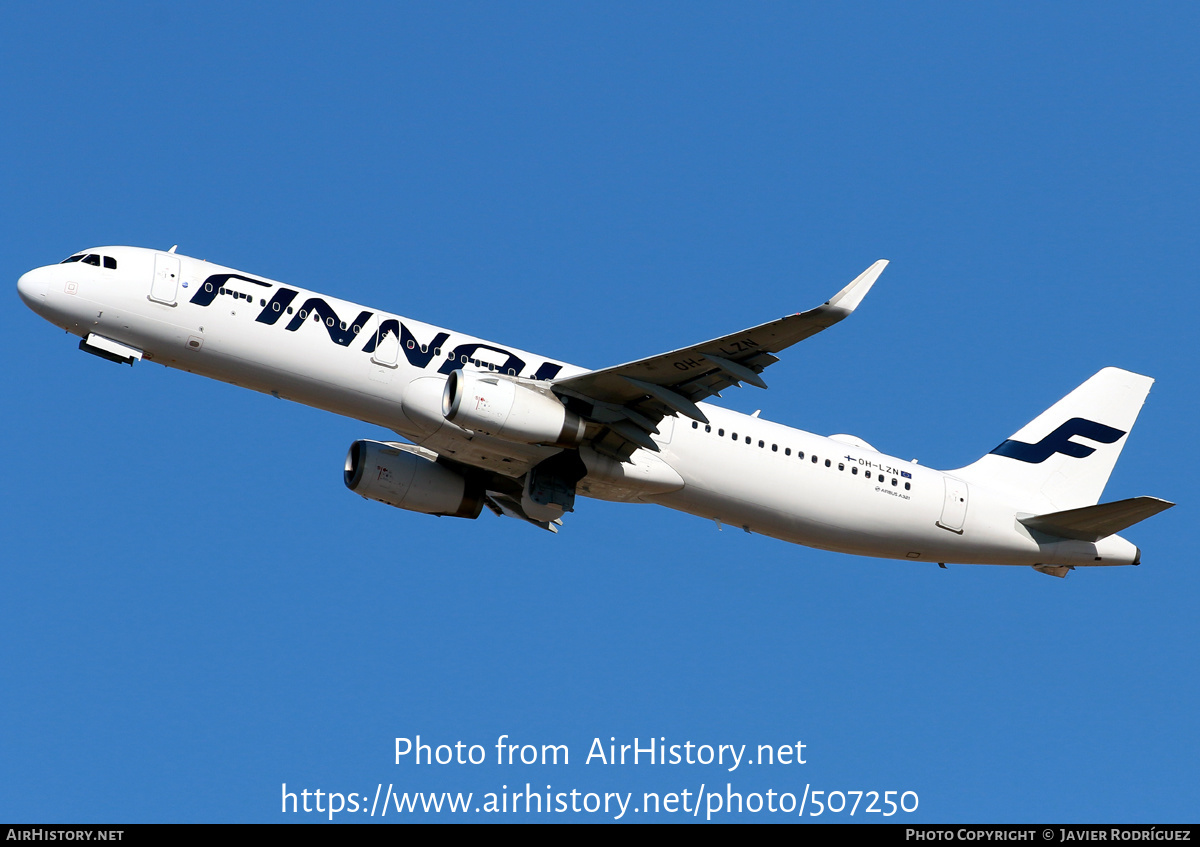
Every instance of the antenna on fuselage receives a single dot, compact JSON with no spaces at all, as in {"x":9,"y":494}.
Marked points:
{"x":173,"y":246}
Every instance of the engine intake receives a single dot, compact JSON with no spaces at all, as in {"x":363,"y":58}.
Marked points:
{"x":506,"y":409}
{"x":410,"y":478}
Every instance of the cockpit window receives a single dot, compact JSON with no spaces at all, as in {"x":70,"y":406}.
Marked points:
{"x":92,"y":259}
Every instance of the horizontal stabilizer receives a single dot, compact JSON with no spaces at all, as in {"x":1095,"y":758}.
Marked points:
{"x":1091,"y":523}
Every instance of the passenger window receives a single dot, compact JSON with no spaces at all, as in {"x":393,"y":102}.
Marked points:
{"x":748,"y":439}
{"x":814,"y":459}
{"x":894,"y":481}
{"x":110,"y":263}
{"x":734,"y":436}
{"x":787,"y":451}
{"x":707,"y":428}
{"x":760,"y":444}
{"x":868,"y":474}
{"x":774,"y":448}
{"x":841,"y":467}
{"x":800,"y":455}
{"x":827,"y":463}
{"x":91,"y":259}
{"x":854,"y":471}
{"x":695,"y":425}
{"x":721,"y":432}
{"x":907,"y":486}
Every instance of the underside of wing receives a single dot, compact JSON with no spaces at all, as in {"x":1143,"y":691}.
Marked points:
{"x":629,"y":400}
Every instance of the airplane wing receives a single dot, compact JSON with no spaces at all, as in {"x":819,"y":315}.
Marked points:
{"x":629,"y":400}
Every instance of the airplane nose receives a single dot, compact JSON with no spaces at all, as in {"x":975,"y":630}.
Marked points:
{"x":32,"y":288}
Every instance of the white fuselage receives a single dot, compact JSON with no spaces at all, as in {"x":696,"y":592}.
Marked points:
{"x":321,"y":351}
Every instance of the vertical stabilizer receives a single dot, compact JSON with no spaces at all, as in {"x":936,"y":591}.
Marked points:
{"x":1062,"y":459}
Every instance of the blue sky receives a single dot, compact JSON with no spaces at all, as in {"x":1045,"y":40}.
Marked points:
{"x":193,"y":609}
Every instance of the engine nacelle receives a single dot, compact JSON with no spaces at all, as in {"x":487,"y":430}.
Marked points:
{"x":410,"y":478}
{"x":506,"y":409}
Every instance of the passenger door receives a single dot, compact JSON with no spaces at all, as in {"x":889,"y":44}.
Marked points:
{"x":954,"y":508}
{"x":165,"y":285}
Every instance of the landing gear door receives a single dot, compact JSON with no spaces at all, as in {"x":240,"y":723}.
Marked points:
{"x":954,"y":509}
{"x":165,"y":286}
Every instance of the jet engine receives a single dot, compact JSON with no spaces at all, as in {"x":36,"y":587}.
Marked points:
{"x":500,"y":407}
{"x":410,"y":478}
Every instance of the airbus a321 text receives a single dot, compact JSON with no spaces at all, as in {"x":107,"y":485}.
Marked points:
{"x":523,"y":435}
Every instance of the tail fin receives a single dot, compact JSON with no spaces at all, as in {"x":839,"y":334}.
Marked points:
{"x":1062,"y":458}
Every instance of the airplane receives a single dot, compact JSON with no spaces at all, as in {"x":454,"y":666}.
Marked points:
{"x":485,"y":425}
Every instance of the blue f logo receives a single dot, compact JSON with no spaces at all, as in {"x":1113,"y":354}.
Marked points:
{"x":1060,"y":441}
